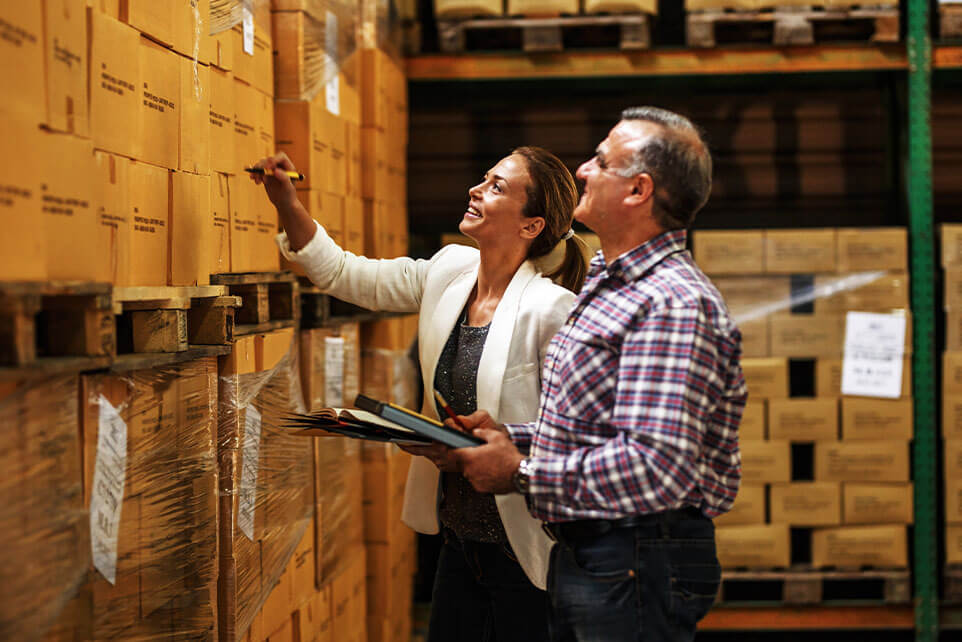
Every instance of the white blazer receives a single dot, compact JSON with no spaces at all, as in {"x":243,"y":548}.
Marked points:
{"x":509,"y":374}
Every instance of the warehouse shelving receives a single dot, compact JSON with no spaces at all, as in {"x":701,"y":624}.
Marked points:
{"x":912,"y":63}
{"x":677,"y":62}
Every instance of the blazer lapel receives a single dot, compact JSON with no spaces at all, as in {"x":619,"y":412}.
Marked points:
{"x":447,"y":311}
{"x":494,"y":357}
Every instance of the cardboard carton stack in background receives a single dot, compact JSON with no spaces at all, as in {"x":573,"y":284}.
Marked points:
{"x":836,"y":465}
{"x":952,"y":390}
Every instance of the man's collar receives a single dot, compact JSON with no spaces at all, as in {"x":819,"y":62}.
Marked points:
{"x":633,"y":264}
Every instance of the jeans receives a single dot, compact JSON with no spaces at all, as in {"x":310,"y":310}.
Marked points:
{"x":481,"y":593}
{"x":650,"y":582}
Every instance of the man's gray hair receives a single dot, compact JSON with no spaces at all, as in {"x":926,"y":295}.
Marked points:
{"x":679,"y":163}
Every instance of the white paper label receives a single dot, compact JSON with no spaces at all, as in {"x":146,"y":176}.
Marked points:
{"x":248,"y":22}
{"x":332,"y":89}
{"x":874,"y":349}
{"x":334,"y":372}
{"x":107,"y":493}
{"x":248,"y":486}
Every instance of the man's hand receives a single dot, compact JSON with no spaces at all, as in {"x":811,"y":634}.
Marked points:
{"x":279,"y":187}
{"x":490,"y":467}
{"x":439,"y":454}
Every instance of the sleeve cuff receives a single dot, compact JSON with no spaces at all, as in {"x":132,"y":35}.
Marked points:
{"x":296,"y":256}
{"x":520,"y":436}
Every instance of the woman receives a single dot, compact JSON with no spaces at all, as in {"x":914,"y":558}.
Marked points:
{"x":486,"y":317}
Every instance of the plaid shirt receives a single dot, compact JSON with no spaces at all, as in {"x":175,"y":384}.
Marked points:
{"x":642,"y":394}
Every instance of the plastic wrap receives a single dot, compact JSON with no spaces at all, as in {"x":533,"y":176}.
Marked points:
{"x":150,"y":483}
{"x":339,"y":495}
{"x":381,"y":26}
{"x":45,"y":534}
{"x":315,"y":42}
{"x":266,"y":476}
{"x":226,"y":14}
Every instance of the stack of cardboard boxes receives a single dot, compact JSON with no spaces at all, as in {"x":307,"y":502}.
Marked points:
{"x":692,"y":5}
{"x":834,"y":464}
{"x":952,"y":391}
{"x":540,"y":8}
{"x":45,"y":530}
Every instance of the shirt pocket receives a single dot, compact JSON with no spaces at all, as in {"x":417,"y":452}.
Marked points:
{"x":583,"y":376}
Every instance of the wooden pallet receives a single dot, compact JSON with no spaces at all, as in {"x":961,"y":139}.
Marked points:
{"x":319,"y":310}
{"x":533,"y":35}
{"x":950,"y":21}
{"x":166,"y":319}
{"x":269,"y":300}
{"x":805,"y":585}
{"x":792,"y":26}
{"x":50,"y":324}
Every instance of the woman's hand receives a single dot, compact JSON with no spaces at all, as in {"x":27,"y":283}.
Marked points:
{"x":439,"y":455}
{"x":278,"y":185}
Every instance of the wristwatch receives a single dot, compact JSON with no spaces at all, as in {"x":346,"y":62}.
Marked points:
{"x":522,"y":477}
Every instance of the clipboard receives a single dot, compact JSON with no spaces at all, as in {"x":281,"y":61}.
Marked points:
{"x":417,"y":423}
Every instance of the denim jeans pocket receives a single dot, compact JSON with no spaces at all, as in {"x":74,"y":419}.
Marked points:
{"x":693,"y":590}
{"x":608,"y":558}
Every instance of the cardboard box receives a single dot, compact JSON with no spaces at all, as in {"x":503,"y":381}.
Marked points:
{"x":877,"y":419}
{"x":953,"y":329}
{"x":389,"y":587}
{"x":222,"y":154}
{"x":384,"y":484}
{"x":766,"y":461}
{"x":112,"y":203}
{"x":755,"y":296}
{"x":354,"y":226}
{"x":756,"y":337}
{"x":953,"y":501}
{"x":953,"y":544}
{"x":190,"y":230}
{"x":115,"y":86}
{"x":851,"y":292}
{"x":807,"y":335}
{"x":191,"y":30}
{"x":854,"y":546}
{"x":877,"y":503}
{"x":754,"y":417}
{"x":952,"y":373}
{"x":65,"y":55}
{"x":301,"y":567}
{"x":243,"y":223}
{"x":806,"y":504}
{"x":271,"y":348}
{"x":264,"y":119}
{"x":313,"y":366}
{"x":246,"y":113}
{"x":766,"y":378}
{"x":23,"y":51}
{"x":951,"y":244}
{"x":344,"y":604}
{"x":254,"y":67}
{"x":828,"y":377}
{"x":862,"y":461}
{"x":283,"y":634}
{"x":872,"y":248}
{"x":808,"y":251}
{"x":749,"y":507}
{"x":952,"y":289}
{"x":220,"y":224}
{"x":299,"y":60}
{"x":195,"y":130}
{"x":803,"y":419}
{"x":159,"y":104}
{"x":23,"y":249}
{"x":155,"y":19}
{"x":621,"y":6}
{"x":467,"y":8}
{"x":279,"y":605}
{"x":952,"y":457}
{"x":300,"y":134}
{"x":149,"y":249}
{"x":760,"y":546}
{"x":69,"y":213}
{"x":313,"y":619}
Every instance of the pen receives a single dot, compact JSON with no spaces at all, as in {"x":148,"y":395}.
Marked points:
{"x":294,"y":176}
{"x":447,"y":410}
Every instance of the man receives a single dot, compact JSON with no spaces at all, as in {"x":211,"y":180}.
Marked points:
{"x":636,"y":444}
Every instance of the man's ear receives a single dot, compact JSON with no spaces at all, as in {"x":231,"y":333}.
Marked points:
{"x":642,"y":189}
{"x":532,"y":227}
